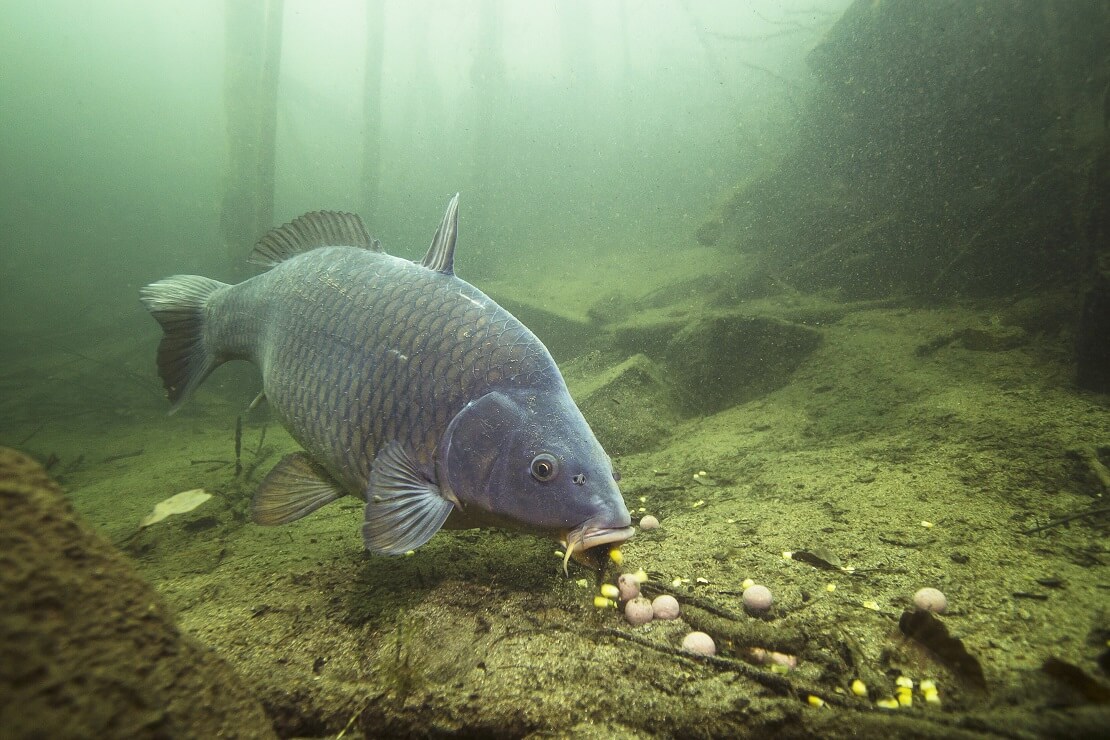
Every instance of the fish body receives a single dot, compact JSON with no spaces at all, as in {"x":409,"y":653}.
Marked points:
{"x":404,"y":384}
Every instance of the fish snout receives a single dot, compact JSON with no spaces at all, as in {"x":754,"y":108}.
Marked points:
{"x":590,"y":535}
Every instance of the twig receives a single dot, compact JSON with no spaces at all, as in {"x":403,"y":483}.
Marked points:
{"x":261,"y":439}
{"x":122,"y":456}
{"x":238,"y":445}
{"x":1068,"y":518}
{"x":965,"y":248}
{"x":652,"y":587}
{"x":774,"y":681}
{"x":27,"y":439}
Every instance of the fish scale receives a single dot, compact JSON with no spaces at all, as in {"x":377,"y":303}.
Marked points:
{"x":417,"y":319}
{"x":404,"y":384}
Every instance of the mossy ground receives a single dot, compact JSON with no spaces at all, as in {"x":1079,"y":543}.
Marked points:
{"x":479,"y":633}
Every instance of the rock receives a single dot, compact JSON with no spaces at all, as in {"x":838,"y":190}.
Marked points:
{"x":991,"y":339}
{"x":629,"y":406}
{"x":720,"y":361}
{"x":87,"y":648}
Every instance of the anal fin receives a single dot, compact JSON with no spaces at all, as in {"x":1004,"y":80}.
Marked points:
{"x":296,"y":487}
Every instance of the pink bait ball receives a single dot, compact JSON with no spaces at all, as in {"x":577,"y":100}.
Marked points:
{"x":628,"y":586}
{"x":665,"y":607}
{"x":930,"y":600}
{"x":757,"y":599}
{"x":699,"y":643}
{"x":649,"y":522}
{"x":638,"y":611}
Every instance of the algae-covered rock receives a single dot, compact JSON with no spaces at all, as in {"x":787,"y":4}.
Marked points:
{"x":629,"y":406}
{"x":87,"y":648}
{"x":720,"y":361}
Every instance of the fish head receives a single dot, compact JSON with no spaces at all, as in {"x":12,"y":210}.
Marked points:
{"x":530,"y":461}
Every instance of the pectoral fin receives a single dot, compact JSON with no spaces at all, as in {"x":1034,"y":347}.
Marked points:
{"x":296,"y":487}
{"x":403,"y":508}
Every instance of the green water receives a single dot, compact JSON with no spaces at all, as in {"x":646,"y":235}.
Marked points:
{"x":815,"y":273}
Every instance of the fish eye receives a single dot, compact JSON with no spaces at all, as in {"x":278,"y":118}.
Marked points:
{"x":544,"y":467}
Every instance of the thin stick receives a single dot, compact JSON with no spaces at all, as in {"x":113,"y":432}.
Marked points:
{"x":238,"y":445}
{"x":777,"y":683}
{"x":1068,"y":518}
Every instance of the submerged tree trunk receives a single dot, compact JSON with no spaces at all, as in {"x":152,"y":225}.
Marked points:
{"x":252,"y":67}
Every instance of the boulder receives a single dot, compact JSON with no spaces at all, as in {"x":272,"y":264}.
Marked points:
{"x":87,"y":648}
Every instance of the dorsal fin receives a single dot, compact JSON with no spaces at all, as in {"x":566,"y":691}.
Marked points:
{"x":311,"y":231}
{"x":441,"y":255}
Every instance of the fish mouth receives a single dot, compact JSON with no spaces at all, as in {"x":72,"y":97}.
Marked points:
{"x":587,"y":536}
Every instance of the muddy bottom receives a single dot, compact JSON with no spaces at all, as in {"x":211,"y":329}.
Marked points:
{"x":891,"y":461}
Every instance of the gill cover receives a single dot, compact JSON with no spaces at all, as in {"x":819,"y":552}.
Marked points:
{"x":474,"y":445}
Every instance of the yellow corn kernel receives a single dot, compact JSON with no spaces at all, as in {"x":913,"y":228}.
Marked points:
{"x":641,"y":576}
{"x":872,"y":605}
{"x":747,"y":583}
{"x":905,"y":698}
{"x":616,"y":556}
{"x":815,"y":701}
{"x":927,"y":685}
{"x":903,"y":682}
{"x":830,"y":587}
{"x":610,"y":591}
{"x":602,"y":603}
{"x":859,"y":688}
{"x":887,"y":703}
{"x":932,"y":697}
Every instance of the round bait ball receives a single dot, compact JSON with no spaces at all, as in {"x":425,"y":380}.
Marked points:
{"x":665,"y":607}
{"x":757,"y":599}
{"x":628,"y":586}
{"x":649,"y":522}
{"x":700,"y":643}
{"x":638,"y":611}
{"x":930,"y":600}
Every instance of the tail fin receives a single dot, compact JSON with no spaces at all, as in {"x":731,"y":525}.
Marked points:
{"x":184,"y":360}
